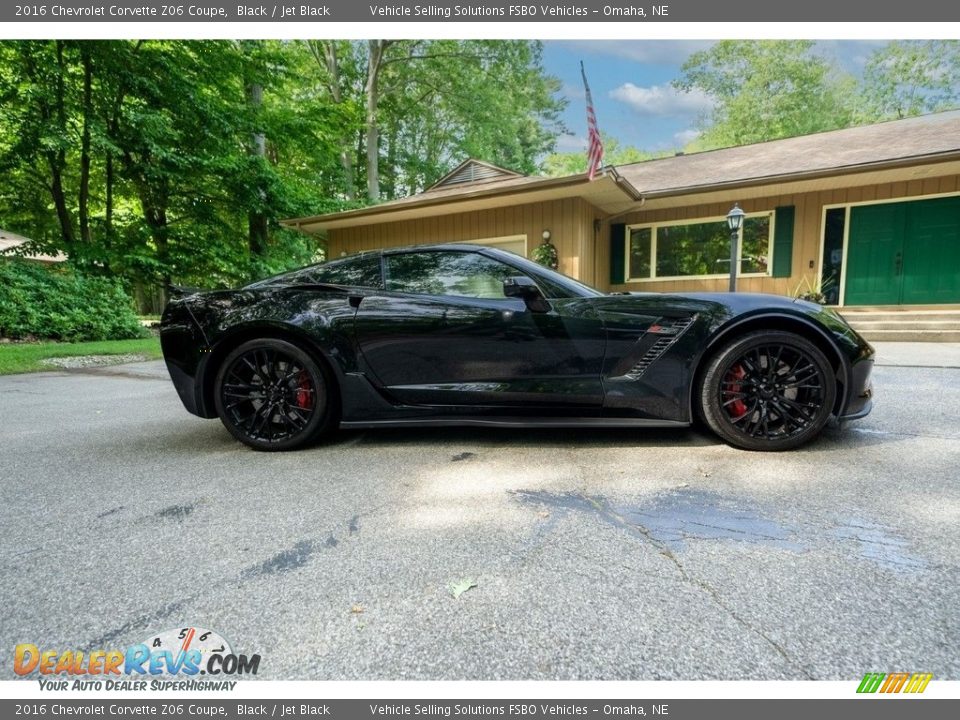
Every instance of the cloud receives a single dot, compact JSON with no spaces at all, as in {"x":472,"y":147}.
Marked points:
{"x":573,"y":92}
{"x":685,"y":137}
{"x":571,"y":143}
{"x":849,"y":55}
{"x":654,"y":52}
{"x":662,"y":100}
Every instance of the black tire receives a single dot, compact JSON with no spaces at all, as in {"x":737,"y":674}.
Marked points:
{"x":768,"y":391}
{"x":272,"y":395}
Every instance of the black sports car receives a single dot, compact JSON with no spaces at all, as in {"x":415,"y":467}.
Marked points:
{"x":470,"y":335}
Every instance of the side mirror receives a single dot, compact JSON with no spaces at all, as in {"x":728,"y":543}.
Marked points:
{"x":520,"y":286}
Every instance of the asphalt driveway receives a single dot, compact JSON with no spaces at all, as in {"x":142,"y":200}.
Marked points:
{"x":596,"y":554}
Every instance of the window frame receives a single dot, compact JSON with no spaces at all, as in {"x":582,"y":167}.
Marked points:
{"x":653,"y":226}
{"x":385,"y":272}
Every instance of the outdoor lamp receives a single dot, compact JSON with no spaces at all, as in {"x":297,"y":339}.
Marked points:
{"x":546,"y":253}
{"x":734,"y":222}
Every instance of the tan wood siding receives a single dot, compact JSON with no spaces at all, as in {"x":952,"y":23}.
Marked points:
{"x":807,"y":233}
{"x":585,"y":253}
{"x":570,"y":222}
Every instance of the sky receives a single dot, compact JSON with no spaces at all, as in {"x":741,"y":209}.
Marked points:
{"x":632,"y":95}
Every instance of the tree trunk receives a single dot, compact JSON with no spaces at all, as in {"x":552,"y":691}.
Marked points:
{"x":257,"y":219}
{"x":372,"y":90}
{"x":390,"y":171}
{"x":153,"y":206}
{"x":60,"y":203}
{"x":108,"y":203}
{"x":87,"y":118}
{"x":57,"y":159}
{"x":332,"y":64}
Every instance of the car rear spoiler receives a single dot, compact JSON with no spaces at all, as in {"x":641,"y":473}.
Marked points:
{"x":179,"y":291}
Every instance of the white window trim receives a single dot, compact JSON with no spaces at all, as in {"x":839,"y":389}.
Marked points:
{"x":653,"y":277}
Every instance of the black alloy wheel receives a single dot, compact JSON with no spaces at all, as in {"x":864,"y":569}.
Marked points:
{"x":768,"y":391}
{"x":272,"y":395}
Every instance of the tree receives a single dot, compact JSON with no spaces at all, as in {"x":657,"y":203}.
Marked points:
{"x":912,"y":77}
{"x":175,"y":160}
{"x":418,"y":106}
{"x":36,"y":94}
{"x":330,"y":56}
{"x":574,"y":163}
{"x":767,"y":89}
{"x":166,"y":137}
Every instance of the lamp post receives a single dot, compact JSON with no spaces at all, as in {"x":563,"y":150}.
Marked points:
{"x":734,"y":222}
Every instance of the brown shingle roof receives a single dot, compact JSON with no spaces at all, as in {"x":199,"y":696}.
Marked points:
{"x":10,"y":241}
{"x":911,"y":141}
{"x":927,"y":136}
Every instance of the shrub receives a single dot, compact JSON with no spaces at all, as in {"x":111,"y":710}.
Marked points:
{"x":59,"y":304}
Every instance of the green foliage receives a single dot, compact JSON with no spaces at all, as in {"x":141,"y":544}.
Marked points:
{"x":175,"y":160}
{"x":816,"y":292}
{"x":37,"y":302}
{"x":546,"y":254}
{"x":765,"y":90}
{"x":29,"y":357}
{"x":574,"y":163}
{"x":433,"y":103}
{"x":912,"y":77}
{"x":770,"y":89}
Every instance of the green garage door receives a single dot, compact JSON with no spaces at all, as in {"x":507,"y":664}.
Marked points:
{"x":904,"y":253}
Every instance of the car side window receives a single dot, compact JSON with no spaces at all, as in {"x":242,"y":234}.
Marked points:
{"x":361,"y":271}
{"x":463,"y":274}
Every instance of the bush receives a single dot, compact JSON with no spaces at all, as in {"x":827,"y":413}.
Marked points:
{"x":58,"y":304}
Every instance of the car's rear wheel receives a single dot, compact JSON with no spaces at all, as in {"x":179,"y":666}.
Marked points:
{"x":768,"y":391}
{"x":272,"y":395}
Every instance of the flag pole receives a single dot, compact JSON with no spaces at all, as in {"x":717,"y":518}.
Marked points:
{"x":594,"y":142}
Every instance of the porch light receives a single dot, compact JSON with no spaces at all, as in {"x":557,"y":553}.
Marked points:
{"x":735,"y":218}
{"x":734,"y":222}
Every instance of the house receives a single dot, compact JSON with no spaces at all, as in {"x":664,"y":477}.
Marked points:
{"x":9,"y":242}
{"x":871,"y":214}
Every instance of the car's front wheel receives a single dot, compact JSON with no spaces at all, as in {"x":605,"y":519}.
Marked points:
{"x":768,"y":391}
{"x":272,"y":395}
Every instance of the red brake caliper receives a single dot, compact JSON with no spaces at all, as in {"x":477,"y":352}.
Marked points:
{"x":304,"y":396}
{"x":737,"y":407}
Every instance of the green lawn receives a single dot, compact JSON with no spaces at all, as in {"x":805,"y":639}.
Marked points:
{"x":26,"y":357}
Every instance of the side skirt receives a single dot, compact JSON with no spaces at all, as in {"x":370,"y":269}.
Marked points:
{"x":522,"y":422}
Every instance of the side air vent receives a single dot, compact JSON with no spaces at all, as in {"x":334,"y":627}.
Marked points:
{"x":669,"y":331}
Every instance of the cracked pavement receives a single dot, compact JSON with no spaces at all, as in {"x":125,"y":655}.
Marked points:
{"x":597,"y":554}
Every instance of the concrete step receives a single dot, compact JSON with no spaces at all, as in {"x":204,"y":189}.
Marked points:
{"x":914,"y":335}
{"x":915,"y":324}
{"x":902,"y":308}
{"x":943,"y":315}
{"x":905,"y":324}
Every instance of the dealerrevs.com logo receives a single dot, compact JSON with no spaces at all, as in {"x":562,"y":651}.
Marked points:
{"x":172,"y":660}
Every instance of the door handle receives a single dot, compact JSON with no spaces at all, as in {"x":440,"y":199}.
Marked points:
{"x":898,"y":263}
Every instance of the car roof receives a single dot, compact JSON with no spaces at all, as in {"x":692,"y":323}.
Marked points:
{"x":471,"y":247}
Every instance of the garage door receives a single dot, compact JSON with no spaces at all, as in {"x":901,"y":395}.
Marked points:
{"x":511,"y":243}
{"x":904,"y":253}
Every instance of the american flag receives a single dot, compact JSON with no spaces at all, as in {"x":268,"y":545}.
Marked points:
{"x":595,"y":145}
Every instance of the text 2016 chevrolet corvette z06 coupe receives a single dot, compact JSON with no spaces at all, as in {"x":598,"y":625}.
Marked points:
{"x":470,"y":335}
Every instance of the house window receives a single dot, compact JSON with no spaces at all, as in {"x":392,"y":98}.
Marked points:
{"x":698,"y":248}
